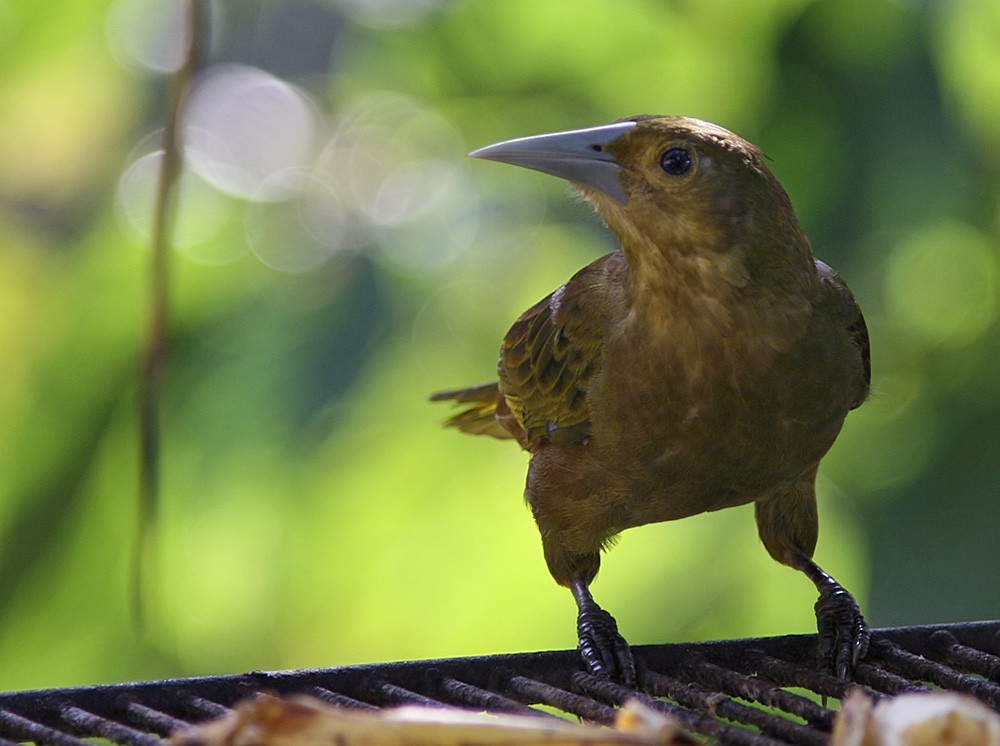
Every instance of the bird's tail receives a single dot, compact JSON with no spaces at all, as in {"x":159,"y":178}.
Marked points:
{"x":480,"y":417}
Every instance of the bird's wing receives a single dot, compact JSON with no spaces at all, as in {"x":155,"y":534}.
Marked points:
{"x":854,"y":323}
{"x":551,"y":352}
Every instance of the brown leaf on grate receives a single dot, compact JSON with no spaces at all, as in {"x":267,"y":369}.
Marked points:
{"x":268,"y":720}
{"x":918,"y":719}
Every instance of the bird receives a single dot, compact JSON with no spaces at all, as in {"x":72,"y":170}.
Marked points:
{"x":708,"y":362}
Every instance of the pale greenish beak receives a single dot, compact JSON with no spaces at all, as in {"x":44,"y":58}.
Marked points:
{"x":579,"y":156}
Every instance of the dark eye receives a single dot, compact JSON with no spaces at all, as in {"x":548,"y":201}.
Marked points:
{"x":676,"y":161}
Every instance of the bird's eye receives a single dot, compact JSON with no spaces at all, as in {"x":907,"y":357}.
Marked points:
{"x":676,"y":161}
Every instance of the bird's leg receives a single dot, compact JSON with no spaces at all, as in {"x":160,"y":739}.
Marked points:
{"x":843,"y":632}
{"x":788,"y":524}
{"x":603,"y":649}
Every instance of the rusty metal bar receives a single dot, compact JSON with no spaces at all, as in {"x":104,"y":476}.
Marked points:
{"x":530,"y":690}
{"x":754,"y":689}
{"x":878,"y":679}
{"x":944,"y":644}
{"x":28,"y":730}
{"x":690,"y":720}
{"x":203,"y":707}
{"x":338,"y":699}
{"x":787,"y":673}
{"x":717,"y":704}
{"x":918,"y":667}
{"x":718,"y":689}
{"x":88,"y":722}
{"x":393,"y":694}
{"x":154,"y":720}
{"x":463,"y":694}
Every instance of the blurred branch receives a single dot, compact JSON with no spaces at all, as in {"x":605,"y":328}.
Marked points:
{"x":159,"y":296}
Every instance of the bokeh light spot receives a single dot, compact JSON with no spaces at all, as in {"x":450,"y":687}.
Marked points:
{"x":151,"y":34}
{"x":968,"y":58}
{"x":388,"y":13}
{"x":942,"y":283}
{"x":298,"y":235}
{"x":202,"y":213}
{"x":393,"y":166}
{"x":889,"y":441}
{"x":245,"y":126}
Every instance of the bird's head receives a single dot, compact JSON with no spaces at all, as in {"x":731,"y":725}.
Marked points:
{"x":673,"y":188}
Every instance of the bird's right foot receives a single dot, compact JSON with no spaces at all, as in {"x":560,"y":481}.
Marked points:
{"x":844,"y":634}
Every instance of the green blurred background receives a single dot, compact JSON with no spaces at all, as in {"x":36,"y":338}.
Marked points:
{"x":339,"y":258}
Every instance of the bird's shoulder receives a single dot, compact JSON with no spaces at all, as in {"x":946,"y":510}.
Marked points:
{"x":853,"y":320}
{"x":552,"y":351}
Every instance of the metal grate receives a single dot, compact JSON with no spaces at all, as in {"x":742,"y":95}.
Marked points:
{"x":733,"y":691}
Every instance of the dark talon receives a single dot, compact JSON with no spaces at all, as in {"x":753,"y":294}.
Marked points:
{"x":603,"y":649}
{"x":844,"y":635}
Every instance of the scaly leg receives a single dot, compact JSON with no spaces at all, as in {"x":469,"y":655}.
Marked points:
{"x":843,"y":632}
{"x":603,"y":649}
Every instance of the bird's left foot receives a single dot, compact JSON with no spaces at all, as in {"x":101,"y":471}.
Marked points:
{"x":844,"y":634}
{"x":603,"y":649}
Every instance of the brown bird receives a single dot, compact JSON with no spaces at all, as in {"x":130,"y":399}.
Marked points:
{"x":709,"y":362}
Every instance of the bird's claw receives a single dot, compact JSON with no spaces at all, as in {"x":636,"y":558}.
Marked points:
{"x":604,"y":651}
{"x":844,"y":634}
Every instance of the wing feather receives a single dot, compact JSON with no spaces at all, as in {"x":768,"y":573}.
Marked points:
{"x":552,"y":351}
{"x":854,"y":325}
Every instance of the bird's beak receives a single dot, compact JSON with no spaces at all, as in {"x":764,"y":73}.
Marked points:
{"x":579,"y":156}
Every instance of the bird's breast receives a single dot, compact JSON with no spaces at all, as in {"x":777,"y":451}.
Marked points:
{"x":695,"y":417}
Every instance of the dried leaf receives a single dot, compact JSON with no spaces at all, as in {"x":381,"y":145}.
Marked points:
{"x":924,"y":719}
{"x":304,"y":721}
